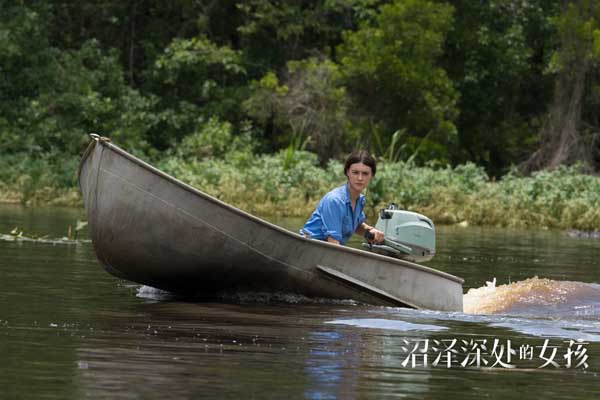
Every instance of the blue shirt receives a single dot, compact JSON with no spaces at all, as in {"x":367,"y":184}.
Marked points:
{"x":334,"y":216}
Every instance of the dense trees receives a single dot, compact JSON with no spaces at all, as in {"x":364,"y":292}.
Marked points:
{"x":570,"y":131}
{"x":497,"y":56}
{"x":434,"y":81}
{"x":392,"y":70}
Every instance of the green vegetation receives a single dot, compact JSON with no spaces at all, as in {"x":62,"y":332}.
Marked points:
{"x":257,"y":101}
{"x":291,"y":182}
{"x":564,"y":198}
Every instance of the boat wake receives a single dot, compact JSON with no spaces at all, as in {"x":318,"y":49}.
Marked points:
{"x":536,"y":296}
{"x":248,"y":297}
{"x":534,"y":307}
{"x":537,"y":307}
{"x":279,"y":297}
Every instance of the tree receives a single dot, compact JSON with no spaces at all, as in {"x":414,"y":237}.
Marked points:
{"x":54,"y":93}
{"x":391,"y":68}
{"x":495,"y":55}
{"x":273,"y":32}
{"x":310,"y":105}
{"x":565,"y":138}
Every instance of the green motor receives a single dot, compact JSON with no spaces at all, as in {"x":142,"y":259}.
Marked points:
{"x":408,"y":235}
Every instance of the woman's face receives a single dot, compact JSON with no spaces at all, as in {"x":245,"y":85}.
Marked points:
{"x":359,"y":175}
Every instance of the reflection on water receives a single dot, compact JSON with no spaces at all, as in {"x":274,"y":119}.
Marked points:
{"x":69,"y":330}
{"x":217,"y":351}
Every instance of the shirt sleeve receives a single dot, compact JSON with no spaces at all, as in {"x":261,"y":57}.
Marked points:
{"x":361,"y":219}
{"x":332,"y":213}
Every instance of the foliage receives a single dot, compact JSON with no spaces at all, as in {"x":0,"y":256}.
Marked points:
{"x":564,"y":198}
{"x":200,"y":72}
{"x":495,"y":55}
{"x":146,"y":73}
{"x":579,"y":28}
{"x":264,"y":185}
{"x":391,"y":67}
{"x":569,"y":133}
{"x":214,"y":139}
{"x":310,"y":105}
{"x":50,"y":179}
{"x":256,"y":101}
{"x":293,"y":30}
{"x":292,"y":184}
{"x":64,"y":96}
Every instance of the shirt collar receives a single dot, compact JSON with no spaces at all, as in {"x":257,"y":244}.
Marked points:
{"x":361,"y":197}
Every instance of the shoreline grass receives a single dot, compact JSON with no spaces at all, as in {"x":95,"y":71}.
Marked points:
{"x":275,"y":185}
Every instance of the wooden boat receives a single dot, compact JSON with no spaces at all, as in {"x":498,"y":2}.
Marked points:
{"x":153,"y":229}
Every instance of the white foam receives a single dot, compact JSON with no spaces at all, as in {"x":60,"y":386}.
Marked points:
{"x":149,"y":292}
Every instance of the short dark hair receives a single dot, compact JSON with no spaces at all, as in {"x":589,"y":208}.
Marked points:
{"x":360,"y":156}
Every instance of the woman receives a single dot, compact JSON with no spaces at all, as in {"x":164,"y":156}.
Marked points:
{"x":340,"y":213}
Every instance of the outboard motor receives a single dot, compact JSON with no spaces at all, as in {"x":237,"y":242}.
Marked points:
{"x":408,"y":235}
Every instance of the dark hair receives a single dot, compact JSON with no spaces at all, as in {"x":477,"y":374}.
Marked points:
{"x":360,"y":156}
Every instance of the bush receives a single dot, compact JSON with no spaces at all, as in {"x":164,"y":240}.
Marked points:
{"x":290,"y":183}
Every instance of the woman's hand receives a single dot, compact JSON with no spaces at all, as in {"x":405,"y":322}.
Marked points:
{"x":332,"y":240}
{"x":379,"y":236}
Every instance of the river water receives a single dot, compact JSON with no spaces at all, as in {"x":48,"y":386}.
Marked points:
{"x":69,"y":330}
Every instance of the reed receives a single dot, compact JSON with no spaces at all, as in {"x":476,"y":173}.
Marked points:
{"x":564,"y":198}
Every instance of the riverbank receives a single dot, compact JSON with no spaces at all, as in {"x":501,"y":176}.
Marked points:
{"x":284,"y":185}
{"x":45,"y":196}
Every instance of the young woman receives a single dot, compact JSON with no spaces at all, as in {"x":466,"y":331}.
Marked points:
{"x":340,"y":213}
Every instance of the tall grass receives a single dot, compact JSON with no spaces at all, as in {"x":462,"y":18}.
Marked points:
{"x":291,"y":184}
{"x":40,"y":180}
{"x":564,"y":198}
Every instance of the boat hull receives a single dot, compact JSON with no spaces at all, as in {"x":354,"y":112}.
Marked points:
{"x":150,"y":228}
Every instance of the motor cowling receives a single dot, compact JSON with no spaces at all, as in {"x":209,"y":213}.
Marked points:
{"x":408,"y":235}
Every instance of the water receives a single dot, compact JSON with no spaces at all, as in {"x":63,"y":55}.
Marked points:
{"x":69,"y":330}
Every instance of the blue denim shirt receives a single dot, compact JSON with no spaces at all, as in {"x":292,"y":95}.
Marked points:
{"x":334,"y":216}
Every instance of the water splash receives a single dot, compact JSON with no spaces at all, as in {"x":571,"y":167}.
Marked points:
{"x":152,"y":293}
{"x":533,"y":296}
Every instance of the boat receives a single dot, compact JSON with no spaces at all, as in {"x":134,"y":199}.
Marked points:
{"x":150,"y":228}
